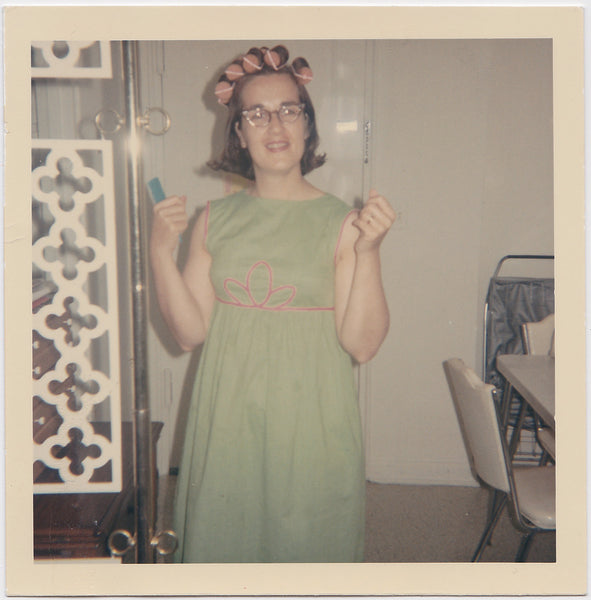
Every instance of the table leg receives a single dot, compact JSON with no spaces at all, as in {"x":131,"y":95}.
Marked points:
{"x":516,"y":434}
{"x":506,"y":405}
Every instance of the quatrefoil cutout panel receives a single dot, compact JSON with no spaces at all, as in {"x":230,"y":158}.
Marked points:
{"x":64,"y":182}
{"x":74,"y":388}
{"x":72,"y":59}
{"x":68,"y":254}
{"x":71,"y":321}
{"x":76,"y":451}
{"x":74,"y":183}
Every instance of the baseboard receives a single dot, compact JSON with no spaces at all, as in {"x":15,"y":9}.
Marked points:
{"x":420,"y":473}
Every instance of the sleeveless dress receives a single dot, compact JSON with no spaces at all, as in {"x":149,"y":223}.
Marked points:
{"x":272,"y":467}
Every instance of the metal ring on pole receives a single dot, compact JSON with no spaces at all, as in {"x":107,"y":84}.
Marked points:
{"x":145,"y":121}
{"x":119,"y":549}
{"x":165,"y":542}
{"x":98,"y":121}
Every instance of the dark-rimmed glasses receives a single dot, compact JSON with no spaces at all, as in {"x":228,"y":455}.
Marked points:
{"x":261,"y":117}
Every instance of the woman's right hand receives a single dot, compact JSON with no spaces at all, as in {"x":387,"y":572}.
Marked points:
{"x":169,"y":221}
{"x":186,"y":298}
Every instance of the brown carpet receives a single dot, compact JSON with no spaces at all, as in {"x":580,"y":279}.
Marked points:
{"x":407,"y":523}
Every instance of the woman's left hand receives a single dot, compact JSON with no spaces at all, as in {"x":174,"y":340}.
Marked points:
{"x":373,"y":221}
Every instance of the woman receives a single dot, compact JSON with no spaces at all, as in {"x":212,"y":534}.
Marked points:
{"x":283,"y":285}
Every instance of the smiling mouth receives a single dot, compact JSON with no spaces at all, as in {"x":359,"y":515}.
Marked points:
{"x":277,"y":146}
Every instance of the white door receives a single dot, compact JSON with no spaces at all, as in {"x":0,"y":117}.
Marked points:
{"x":180,"y":77}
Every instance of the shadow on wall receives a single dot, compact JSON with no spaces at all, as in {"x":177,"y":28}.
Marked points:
{"x":183,"y":412}
{"x":160,"y":327}
{"x":166,"y":339}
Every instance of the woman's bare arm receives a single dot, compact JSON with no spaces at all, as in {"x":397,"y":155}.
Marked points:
{"x":186,"y":299}
{"x":361,"y":310}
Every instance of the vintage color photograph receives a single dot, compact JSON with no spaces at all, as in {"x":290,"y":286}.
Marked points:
{"x":300,"y":303}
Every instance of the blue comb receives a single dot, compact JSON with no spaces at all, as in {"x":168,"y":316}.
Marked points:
{"x":157,"y":192}
{"x":156,"y":189}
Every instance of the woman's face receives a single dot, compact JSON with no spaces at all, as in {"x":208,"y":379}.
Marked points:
{"x":277,"y":148}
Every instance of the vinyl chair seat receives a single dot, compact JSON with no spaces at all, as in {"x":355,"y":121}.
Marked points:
{"x":539,"y":338}
{"x":536,"y":495}
{"x":528,"y":492}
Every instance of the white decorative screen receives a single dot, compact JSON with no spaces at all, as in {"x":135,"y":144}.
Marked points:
{"x":58,"y":59}
{"x":75,"y":257}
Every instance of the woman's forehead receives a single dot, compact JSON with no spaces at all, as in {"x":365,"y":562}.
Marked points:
{"x":270,"y":90}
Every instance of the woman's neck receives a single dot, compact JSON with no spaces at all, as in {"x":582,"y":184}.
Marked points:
{"x":283,"y":187}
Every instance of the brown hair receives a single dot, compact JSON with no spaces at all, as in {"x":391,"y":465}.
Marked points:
{"x":234,"y":158}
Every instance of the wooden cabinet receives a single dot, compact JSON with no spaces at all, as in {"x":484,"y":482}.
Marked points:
{"x":79,"y":525}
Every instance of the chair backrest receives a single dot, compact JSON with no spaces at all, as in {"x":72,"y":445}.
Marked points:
{"x":479,"y":422}
{"x":538,"y":337}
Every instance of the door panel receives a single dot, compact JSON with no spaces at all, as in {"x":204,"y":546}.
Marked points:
{"x":180,"y":76}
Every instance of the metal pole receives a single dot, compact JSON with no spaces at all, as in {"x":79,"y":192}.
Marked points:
{"x":144,"y":484}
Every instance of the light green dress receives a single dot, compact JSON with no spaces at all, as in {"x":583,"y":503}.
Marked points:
{"x":272,"y":469}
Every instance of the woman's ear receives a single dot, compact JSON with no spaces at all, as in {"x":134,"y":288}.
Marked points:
{"x":239,"y":134}
{"x":307,"y":131}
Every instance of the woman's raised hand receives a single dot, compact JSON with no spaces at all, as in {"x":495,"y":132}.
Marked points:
{"x":169,"y":221}
{"x":373,"y":221}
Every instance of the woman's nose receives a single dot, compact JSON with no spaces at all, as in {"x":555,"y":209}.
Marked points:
{"x":275,"y":122}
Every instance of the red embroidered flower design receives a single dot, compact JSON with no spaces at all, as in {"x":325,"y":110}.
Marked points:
{"x":262,"y":294}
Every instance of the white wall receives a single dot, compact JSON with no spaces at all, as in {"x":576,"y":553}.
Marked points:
{"x":461,"y":144}
{"x":466,"y":152}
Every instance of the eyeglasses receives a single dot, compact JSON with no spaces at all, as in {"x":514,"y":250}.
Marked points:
{"x":261,"y":117}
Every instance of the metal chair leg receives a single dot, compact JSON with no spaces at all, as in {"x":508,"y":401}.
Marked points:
{"x":506,"y":405}
{"x":544,"y":458}
{"x":492,"y":523}
{"x":524,"y":547}
{"x":495,"y":498}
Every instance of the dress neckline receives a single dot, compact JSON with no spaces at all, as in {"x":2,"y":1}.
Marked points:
{"x":283,"y":200}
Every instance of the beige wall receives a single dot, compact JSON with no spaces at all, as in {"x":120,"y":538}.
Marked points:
{"x":467,"y":153}
{"x":461,"y":144}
